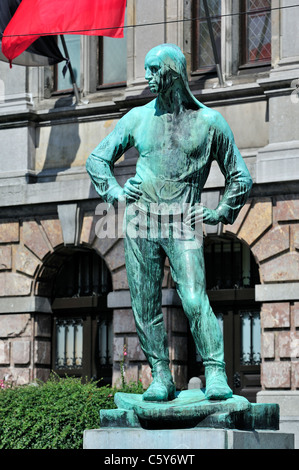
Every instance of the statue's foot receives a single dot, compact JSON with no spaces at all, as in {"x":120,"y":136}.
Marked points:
{"x":160,"y":390}
{"x":216,"y":384}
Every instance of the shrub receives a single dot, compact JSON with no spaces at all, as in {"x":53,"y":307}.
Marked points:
{"x":54,"y":414}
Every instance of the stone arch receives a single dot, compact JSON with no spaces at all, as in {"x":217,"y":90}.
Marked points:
{"x":270,"y":227}
{"x":262,"y":225}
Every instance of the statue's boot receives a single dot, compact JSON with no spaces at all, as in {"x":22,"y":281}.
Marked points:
{"x":162,"y":387}
{"x":216,"y":383}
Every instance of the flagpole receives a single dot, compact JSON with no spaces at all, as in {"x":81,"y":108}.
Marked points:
{"x":75,"y":87}
{"x":216,"y":58}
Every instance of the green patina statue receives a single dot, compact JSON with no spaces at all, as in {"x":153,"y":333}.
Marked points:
{"x":177,"y":138}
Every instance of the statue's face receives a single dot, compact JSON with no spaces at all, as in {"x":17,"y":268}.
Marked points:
{"x":158,"y":75}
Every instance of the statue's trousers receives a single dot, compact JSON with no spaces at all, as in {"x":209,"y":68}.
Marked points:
{"x":145,"y":258}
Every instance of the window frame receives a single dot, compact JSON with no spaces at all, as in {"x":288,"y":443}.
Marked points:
{"x":232,"y":47}
{"x":63,"y":308}
{"x":100,"y":61}
{"x":244,"y":63}
{"x":195,"y":32}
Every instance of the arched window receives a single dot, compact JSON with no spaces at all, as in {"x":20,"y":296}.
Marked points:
{"x":82,"y":326}
{"x":231,"y":276}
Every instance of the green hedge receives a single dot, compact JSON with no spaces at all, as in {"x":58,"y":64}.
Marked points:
{"x":54,"y":414}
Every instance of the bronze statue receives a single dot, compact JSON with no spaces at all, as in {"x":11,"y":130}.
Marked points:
{"x":177,"y":138}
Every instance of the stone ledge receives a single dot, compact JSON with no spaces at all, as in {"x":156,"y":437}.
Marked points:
{"x":278,"y":292}
{"x":205,"y":438}
{"x":122,"y":299}
{"x":25,"y":305}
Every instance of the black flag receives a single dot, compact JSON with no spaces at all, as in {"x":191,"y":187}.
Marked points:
{"x":44,"y":51}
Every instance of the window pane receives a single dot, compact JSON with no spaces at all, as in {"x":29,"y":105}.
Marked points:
{"x":73,"y":46}
{"x":258,"y":26}
{"x":250,"y":337}
{"x":205,"y":56}
{"x":114,"y":62}
{"x":105,"y":346}
{"x":69,"y":350}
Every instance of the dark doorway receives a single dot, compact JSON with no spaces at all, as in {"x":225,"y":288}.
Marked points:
{"x":231,"y":274}
{"x":82,"y":323}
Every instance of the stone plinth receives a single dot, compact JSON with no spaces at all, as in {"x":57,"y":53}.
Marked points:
{"x":188,"y":422}
{"x":181,"y":439}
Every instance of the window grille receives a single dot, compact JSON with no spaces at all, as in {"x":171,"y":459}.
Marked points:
{"x":250,"y":337}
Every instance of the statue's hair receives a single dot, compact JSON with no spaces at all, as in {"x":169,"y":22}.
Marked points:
{"x":172,"y":56}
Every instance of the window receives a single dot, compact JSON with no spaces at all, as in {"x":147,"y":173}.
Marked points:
{"x":73,"y":44}
{"x":229,"y":265}
{"x":55,"y":81}
{"x":82,"y":323}
{"x":255,"y":45}
{"x":242,"y":34}
{"x":203,"y":56}
{"x":113,"y":60}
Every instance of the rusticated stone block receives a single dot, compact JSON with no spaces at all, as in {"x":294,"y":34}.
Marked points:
{"x":52,"y":228}
{"x":21,"y":352}
{"x":295,"y":374}
{"x":42,"y":374}
{"x":34,"y":240}
{"x":115,"y":258}
{"x":20,"y":375}
{"x":146,"y":375}
{"x":88,"y":230}
{"x":25,"y":261}
{"x":5,"y":258}
{"x":282,"y":268}
{"x":234,"y":228}
{"x":288,"y":344}
{"x":42,"y":352}
{"x":180,"y":375}
{"x":118,"y":348}
{"x":179,"y":348}
{"x":4,"y":353}
{"x":275,"y":315}
{"x":120,"y":280}
{"x":273,"y":242}
{"x":131,"y":374}
{"x":123,"y":321}
{"x":286,"y":210}
{"x":276,"y":374}
{"x":268,"y":345}
{"x":296,"y":314}
{"x":15,"y":325}
{"x":134,"y":350}
{"x":13,"y":284}
{"x":9,"y":232}
{"x":103,"y":245}
{"x":258,"y":220}
{"x":295,"y":235}
{"x":179,"y":322}
{"x":42,"y":325}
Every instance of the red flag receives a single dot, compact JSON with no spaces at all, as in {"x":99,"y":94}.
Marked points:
{"x":43,"y":51}
{"x":35,"y":18}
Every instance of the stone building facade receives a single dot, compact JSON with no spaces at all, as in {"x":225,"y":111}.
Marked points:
{"x":49,"y":210}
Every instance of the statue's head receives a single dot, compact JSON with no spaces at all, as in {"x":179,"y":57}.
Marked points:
{"x":164,"y":64}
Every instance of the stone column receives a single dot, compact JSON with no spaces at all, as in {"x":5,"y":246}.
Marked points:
{"x":279,"y":159}
{"x":17,"y":135}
